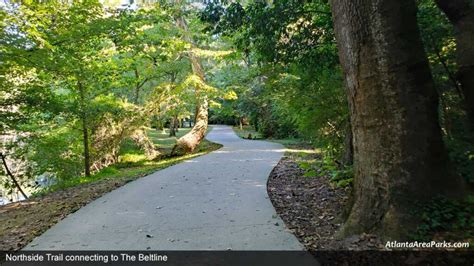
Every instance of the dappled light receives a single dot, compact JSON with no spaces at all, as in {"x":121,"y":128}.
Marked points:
{"x":306,"y":151}
{"x":276,"y":125}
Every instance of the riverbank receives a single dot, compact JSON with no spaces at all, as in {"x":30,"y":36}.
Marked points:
{"x":23,"y":221}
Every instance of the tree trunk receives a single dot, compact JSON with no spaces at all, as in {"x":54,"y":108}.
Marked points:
{"x":461,"y":15}
{"x":172,"y":127}
{"x":85,"y":132}
{"x":399,"y":156}
{"x":348,"y":157}
{"x":159,"y":125}
{"x":85,"y":140}
{"x":137,"y":87}
{"x":191,"y":140}
{"x":141,"y":138}
{"x":176,"y":123}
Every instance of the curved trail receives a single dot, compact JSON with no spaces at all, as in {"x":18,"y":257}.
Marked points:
{"x":217,"y":201}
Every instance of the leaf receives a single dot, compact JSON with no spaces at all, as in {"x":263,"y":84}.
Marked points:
{"x":310,"y":173}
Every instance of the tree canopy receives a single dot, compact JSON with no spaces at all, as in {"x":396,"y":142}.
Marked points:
{"x":81,"y":80}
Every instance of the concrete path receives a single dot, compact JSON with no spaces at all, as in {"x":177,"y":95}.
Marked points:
{"x":217,"y":201}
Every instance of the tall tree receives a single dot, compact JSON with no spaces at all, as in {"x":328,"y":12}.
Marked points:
{"x":189,"y":142}
{"x":461,"y":15}
{"x":399,"y":156}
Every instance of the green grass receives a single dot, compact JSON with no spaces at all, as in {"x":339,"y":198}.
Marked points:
{"x":246,"y":130}
{"x":162,"y":139}
{"x":133,"y":163}
{"x":288,"y":142}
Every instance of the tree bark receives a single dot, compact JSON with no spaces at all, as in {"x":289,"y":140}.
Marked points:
{"x":141,"y":138}
{"x":85,"y":140}
{"x":172,"y":127}
{"x":85,"y":131}
{"x":461,"y":14}
{"x":348,"y":157}
{"x":176,"y":123}
{"x":137,"y":87}
{"x":399,"y":156}
{"x":191,"y":140}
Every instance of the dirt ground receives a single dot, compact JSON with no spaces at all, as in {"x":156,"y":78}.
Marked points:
{"x":23,"y":221}
{"x":313,"y":208}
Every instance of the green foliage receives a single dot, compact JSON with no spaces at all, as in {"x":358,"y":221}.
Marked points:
{"x":133,"y":162}
{"x":461,"y":153}
{"x":286,"y":74}
{"x":308,"y":167}
{"x":56,"y":152}
{"x":247,"y":131}
{"x":340,"y":175}
{"x":443,"y":216}
{"x":79,"y":80}
{"x":440,"y":45}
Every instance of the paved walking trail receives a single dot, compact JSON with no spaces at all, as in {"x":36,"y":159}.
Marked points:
{"x":217,"y":201}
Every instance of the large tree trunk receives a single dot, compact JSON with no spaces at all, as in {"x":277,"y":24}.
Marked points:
{"x":399,"y":156}
{"x":461,"y":15}
{"x":191,"y":140}
{"x":348,"y":156}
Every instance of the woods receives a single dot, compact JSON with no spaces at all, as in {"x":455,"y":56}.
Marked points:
{"x":75,"y":89}
{"x":408,"y":108}
{"x":382,"y":89}
{"x":461,"y":15}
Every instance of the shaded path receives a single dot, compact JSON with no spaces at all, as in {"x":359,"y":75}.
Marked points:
{"x":217,"y":201}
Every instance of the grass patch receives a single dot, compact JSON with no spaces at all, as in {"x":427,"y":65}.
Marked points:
{"x":133,"y":163}
{"x":250,"y":130}
{"x":162,"y":139}
{"x":247,"y":131}
{"x":292,"y":142}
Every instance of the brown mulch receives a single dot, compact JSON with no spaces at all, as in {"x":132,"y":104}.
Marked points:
{"x":312,"y":208}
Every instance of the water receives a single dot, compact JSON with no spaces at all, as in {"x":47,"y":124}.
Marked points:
{"x":11,"y":198}
{"x":41,"y":181}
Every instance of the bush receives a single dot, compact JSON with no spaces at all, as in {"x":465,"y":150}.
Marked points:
{"x":450,"y":218}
